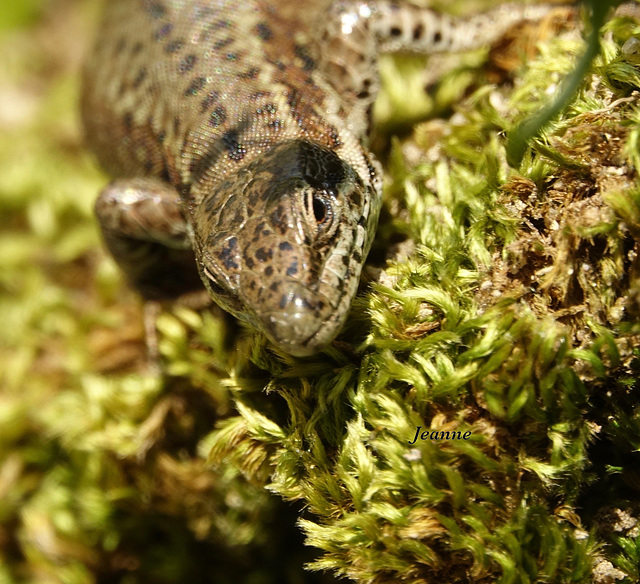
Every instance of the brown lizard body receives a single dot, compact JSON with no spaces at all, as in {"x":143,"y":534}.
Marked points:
{"x":237,"y":131}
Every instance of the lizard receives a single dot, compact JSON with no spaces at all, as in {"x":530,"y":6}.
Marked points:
{"x":237,"y":136}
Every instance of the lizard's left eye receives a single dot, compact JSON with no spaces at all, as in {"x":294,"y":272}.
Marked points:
{"x":320,"y":210}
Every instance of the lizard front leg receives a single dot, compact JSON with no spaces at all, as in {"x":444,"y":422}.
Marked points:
{"x":145,"y":230}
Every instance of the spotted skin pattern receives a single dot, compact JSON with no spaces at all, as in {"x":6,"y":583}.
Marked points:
{"x":237,"y":133}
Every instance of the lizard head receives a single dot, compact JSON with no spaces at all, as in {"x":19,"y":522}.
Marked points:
{"x":281,"y":242}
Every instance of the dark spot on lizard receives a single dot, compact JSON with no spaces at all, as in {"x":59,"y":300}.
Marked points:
{"x":279,"y":221}
{"x":372,"y":171}
{"x":258,"y":230}
{"x":162,"y":136}
{"x":418,"y":31}
{"x":196,"y":85}
{"x":257,"y":95}
{"x":174,"y":46}
{"x":335,"y":138}
{"x":222,"y":43}
{"x":226,"y":255}
{"x":263,"y":254}
{"x":203,"y":12}
{"x":122,"y":43}
{"x":268,"y":271}
{"x":232,"y":56}
{"x":218,"y":116}
{"x":187,"y":63}
{"x":308,"y":63}
{"x":285,"y":246}
{"x":235,"y":150}
{"x":250,"y":73}
{"x":229,"y":142}
{"x":208,"y":101}
{"x":437,"y":37}
{"x":140,"y":77}
{"x":127,"y":120}
{"x":163,"y":31}
{"x":292,"y":270}
{"x":155,"y":9}
{"x":137,"y":48}
{"x":249,"y":262}
{"x":395,"y":31}
{"x":264,"y":32}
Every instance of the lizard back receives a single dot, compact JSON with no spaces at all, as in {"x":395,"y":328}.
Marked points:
{"x":224,"y":101}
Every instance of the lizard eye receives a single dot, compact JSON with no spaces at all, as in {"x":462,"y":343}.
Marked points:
{"x":320,"y":210}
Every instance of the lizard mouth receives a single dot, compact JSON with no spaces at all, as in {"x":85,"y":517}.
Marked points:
{"x":303,"y":324}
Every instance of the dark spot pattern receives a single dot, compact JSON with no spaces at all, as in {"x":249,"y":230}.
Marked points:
{"x":140,"y":77}
{"x":187,"y":63}
{"x":122,"y":43}
{"x":249,"y":73}
{"x":437,"y":37}
{"x":292,"y":270}
{"x":418,"y":31}
{"x":308,"y":63}
{"x":395,"y":31}
{"x":163,"y":32}
{"x":208,"y":101}
{"x":263,"y":254}
{"x":226,"y":256}
{"x":264,"y":32}
{"x":218,"y":116}
{"x":257,"y":95}
{"x":196,"y":85}
{"x":174,"y":46}
{"x":222,"y":43}
{"x":223,"y":23}
{"x":235,"y":150}
{"x":155,"y":9}
{"x":228,"y":142}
